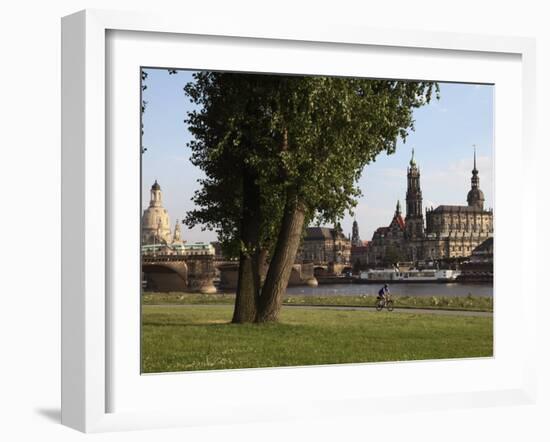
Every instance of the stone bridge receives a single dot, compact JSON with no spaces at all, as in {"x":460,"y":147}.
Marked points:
{"x":177,"y":273}
{"x":323,"y":269}
{"x":301,"y":274}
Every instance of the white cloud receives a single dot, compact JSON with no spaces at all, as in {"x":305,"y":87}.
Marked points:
{"x":391,"y":173}
{"x":451,"y":184}
{"x":369,"y":218}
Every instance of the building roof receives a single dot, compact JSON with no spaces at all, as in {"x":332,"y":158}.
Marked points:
{"x":475,"y":195}
{"x":321,"y":233}
{"x":381,"y":231}
{"x":459,"y":209}
{"x":485,"y":247}
{"x":399,"y":219}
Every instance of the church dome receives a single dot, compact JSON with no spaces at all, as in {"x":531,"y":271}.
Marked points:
{"x":476,"y":197}
{"x":155,"y":223}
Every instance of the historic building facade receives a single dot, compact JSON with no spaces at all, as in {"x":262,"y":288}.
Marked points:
{"x":359,"y":256}
{"x":155,"y":222}
{"x":168,"y":262}
{"x":479,"y":267}
{"x":156,"y":234}
{"x":449,"y":231}
{"x":388,"y":241}
{"x":324,"y":245}
{"x":355,"y":238}
{"x":359,"y":249}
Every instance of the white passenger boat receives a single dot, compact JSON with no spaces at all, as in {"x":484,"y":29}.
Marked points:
{"x":395,"y":275}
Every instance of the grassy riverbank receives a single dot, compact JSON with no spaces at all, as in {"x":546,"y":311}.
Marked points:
{"x":196,"y":337}
{"x":471,"y":303}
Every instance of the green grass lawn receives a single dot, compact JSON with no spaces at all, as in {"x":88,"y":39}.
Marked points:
{"x":472,"y":303}
{"x":201,"y":338}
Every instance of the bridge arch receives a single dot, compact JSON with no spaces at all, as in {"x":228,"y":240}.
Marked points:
{"x":165,"y":276}
{"x":295,"y":275}
{"x":319,"y":271}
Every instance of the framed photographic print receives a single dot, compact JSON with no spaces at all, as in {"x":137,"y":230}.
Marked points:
{"x":255,"y":222}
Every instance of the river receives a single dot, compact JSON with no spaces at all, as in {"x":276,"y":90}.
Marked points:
{"x":415,"y":289}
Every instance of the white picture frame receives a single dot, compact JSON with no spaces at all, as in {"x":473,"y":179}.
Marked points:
{"x":87,"y":211}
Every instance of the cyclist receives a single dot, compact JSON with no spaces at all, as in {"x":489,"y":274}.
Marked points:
{"x":383,"y":292}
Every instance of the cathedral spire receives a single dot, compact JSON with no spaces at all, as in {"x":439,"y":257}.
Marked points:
{"x":398,"y":208}
{"x":475,"y":173}
{"x":355,"y":238}
{"x":475,"y":196}
{"x":414,"y":217}
{"x":412,"y":162}
{"x":177,"y":233}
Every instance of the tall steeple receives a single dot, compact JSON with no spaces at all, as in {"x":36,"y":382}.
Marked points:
{"x":475,"y":196}
{"x":414,"y":221}
{"x":475,"y":173}
{"x":355,"y":239}
{"x":412,"y":162}
{"x":177,"y":239}
{"x":397,"y":218}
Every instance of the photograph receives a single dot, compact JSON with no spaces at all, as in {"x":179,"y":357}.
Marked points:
{"x":300,"y":220}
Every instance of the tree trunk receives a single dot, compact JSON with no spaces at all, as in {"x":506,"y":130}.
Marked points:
{"x":283,"y":258}
{"x":248,"y":284}
{"x":259,"y":268}
{"x":245,"y":300}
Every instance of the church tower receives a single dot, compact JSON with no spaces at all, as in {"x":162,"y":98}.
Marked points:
{"x":155,"y":223}
{"x":355,"y":239}
{"x":177,"y":239}
{"x":156,"y":195}
{"x":475,"y":196}
{"x":414,"y":221}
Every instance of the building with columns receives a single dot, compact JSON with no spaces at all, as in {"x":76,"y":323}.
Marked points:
{"x":448,"y":231}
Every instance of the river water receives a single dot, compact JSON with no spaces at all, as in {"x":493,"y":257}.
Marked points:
{"x":415,"y":289}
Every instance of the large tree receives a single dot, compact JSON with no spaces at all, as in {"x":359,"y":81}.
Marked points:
{"x":279,"y":151}
{"x":233,"y":142}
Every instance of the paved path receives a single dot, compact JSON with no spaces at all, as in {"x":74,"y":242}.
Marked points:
{"x":337,"y":307}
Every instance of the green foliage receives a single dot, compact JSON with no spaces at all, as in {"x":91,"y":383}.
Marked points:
{"x":232,"y":136}
{"x":313,"y":135}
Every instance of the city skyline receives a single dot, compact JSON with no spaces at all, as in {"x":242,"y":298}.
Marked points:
{"x":445,"y":132}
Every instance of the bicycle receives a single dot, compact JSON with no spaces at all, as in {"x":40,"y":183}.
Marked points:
{"x":382,"y":302}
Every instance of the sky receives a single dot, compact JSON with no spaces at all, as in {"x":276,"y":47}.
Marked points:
{"x":445,"y":131}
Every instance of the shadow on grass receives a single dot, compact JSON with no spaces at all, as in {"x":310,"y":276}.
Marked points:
{"x":185,"y":324}
{"x":223,"y":324}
